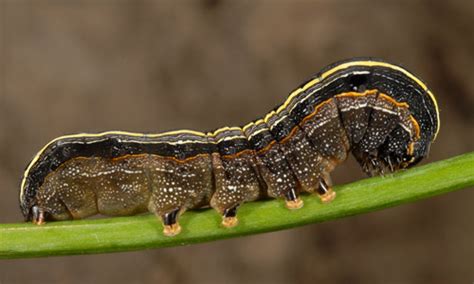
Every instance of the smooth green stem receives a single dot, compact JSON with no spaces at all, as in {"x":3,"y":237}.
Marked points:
{"x":145,"y":231}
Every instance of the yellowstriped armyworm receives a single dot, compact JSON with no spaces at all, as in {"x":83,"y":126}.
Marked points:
{"x":379,"y":111}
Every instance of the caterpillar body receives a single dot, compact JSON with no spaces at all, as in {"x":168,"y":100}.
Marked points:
{"x":380,"y":112}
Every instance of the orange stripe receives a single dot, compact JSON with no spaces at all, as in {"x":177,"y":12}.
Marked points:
{"x":238,"y":154}
{"x":355,"y":94}
{"x":162,"y":157}
{"x":266,"y":148}
{"x":416,"y":125}
{"x":393,"y":101}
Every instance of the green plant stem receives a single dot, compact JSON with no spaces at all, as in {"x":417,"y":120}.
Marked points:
{"x":145,"y":231}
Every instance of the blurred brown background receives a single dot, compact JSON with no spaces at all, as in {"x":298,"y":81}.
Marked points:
{"x":150,"y":66}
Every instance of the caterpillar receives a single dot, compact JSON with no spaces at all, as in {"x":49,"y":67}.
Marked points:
{"x":379,"y":111}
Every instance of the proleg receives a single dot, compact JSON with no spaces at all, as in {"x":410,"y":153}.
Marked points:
{"x":380,"y":112}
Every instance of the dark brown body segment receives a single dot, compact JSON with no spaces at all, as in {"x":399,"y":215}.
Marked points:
{"x":326,"y":133}
{"x":276,"y":171}
{"x":176,"y":186}
{"x":237,"y":179}
{"x":355,"y":110}
{"x":303,"y":160}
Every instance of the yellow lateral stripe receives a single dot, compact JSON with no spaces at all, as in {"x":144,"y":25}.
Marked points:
{"x":437,"y":113}
{"x":250,"y":124}
{"x":269,"y":115}
{"x":371,"y":64}
{"x":253,"y":123}
{"x":225,"y":128}
{"x":297,"y":92}
{"x":174,"y":132}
